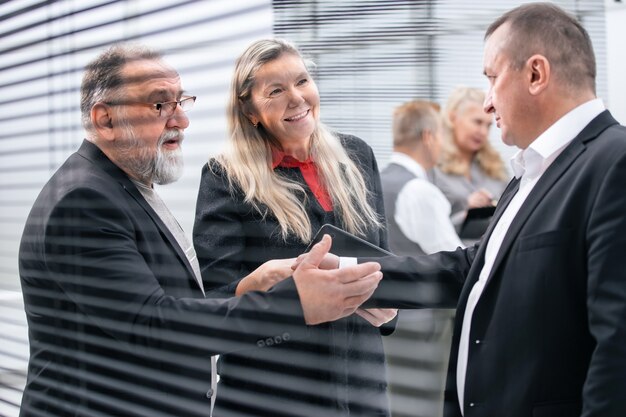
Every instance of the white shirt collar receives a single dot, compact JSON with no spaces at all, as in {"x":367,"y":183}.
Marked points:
{"x":409,"y":163}
{"x":543,"y":150}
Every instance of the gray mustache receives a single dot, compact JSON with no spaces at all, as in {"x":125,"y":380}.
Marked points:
{"x":170,"y":135}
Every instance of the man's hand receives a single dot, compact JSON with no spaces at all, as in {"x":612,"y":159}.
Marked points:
{"x":328,"y":295}
{"x":266,"y":276}
{"x":378,"y":316}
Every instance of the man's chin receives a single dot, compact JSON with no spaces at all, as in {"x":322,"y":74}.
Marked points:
{"x":169,"y":166}
{"x":169,"y":176}
{"x":506,"y":138}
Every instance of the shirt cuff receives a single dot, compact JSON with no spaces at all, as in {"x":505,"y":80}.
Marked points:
{"x":347,"y":261}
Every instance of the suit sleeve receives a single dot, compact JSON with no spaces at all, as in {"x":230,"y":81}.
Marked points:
{"x":428,"y":281}
{"x":91,"y":254}
{"x":605,"y":385}
{"x":218,"y":232}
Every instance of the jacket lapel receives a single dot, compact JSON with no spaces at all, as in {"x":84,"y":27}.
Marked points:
{"x":94,"y":154}
{"x":134,"y":192}
{"x":562,"y":163}
{"x":477,"y":264}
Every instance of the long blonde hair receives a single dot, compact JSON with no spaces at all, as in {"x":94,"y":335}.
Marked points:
{"x":487,"y":157}
{"x":248,"y":156}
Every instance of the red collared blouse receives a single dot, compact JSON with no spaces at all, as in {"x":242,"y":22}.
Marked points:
{"x":310,"y":174}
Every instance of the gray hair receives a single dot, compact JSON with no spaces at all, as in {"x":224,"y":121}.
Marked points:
{"x":103,"y":80}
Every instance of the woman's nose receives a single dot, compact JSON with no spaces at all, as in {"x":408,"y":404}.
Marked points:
{"x":295,"y":98}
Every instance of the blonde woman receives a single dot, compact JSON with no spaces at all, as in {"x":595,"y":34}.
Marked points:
{"x":282,"y":176}
{"x":471,"y":172}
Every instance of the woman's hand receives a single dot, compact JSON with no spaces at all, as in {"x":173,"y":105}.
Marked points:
{"x":266,"y":276}
{"x":377,"y":316}
{"x":480,"y":198}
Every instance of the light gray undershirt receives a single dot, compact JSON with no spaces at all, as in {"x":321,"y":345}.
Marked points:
{"x":170,"y":221}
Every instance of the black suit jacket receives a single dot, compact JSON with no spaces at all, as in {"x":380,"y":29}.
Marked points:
{"x":339,"y":369}
{"x":548,"y":335}
{"x":117,"y":324}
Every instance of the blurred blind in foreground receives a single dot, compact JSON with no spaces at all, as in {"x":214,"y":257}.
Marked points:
{"x":371,"y":56}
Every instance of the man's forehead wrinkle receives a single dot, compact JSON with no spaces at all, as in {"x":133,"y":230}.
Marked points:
{"x":149,"y":76}
{"x":143,"y":71}
{"x":154,"y":85}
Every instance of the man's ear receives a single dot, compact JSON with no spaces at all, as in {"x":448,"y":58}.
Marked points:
{"x":102,"y":120}
{"x":539,"y":74}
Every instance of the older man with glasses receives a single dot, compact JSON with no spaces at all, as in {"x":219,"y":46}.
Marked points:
{"x":119,"y":323}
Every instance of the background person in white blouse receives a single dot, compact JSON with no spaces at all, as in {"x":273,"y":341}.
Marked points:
{"x":418,"y":216}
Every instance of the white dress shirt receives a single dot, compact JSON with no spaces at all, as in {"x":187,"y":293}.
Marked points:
{"x":422,"y":211}
{"x":529,"y":164}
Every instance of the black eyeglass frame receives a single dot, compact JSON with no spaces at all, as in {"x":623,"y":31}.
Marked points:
{"x":185,"y":104}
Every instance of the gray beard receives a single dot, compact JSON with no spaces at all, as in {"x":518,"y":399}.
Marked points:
{"x":163,"y":168}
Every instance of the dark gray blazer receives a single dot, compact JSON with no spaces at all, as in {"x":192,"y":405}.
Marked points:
{"x":117,"y":324}
{"x":548,"y":335}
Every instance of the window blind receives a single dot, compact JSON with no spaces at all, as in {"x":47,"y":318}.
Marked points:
{"x":44,"y":46}
{"x":374,"y":55}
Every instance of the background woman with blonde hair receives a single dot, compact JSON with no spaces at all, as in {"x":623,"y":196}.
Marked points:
{"x":283,"y":175}
{"x":470,"y":172}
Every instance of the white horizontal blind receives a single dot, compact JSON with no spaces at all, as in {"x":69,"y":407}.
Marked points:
{"x":44,"y":46}
{"x":372,"y":55}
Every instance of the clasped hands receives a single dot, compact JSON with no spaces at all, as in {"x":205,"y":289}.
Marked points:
{"x":326,"y":292}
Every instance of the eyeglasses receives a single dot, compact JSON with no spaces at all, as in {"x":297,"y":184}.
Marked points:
{"x":165,"y":109}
